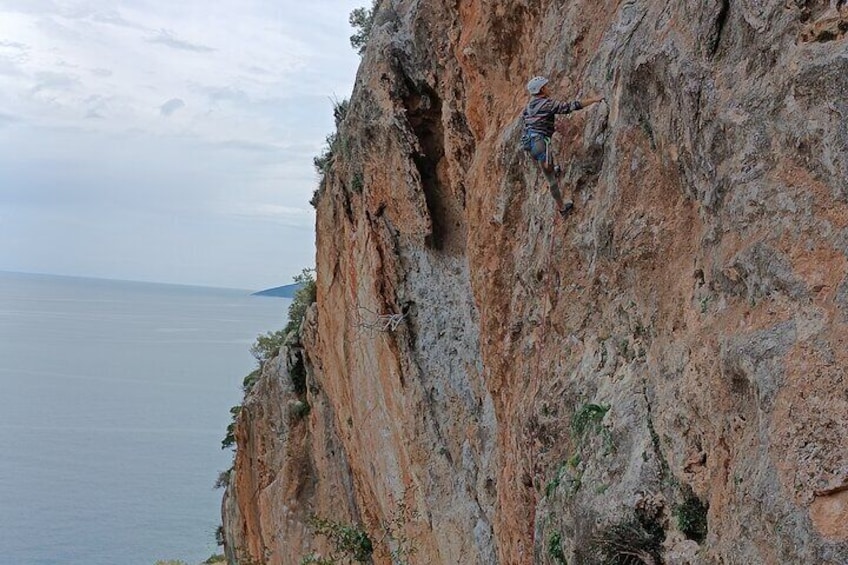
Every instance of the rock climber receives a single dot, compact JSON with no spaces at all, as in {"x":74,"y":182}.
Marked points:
{"x":539,"y":119}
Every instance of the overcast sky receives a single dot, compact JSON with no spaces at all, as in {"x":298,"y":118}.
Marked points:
{"x":166,"y":140}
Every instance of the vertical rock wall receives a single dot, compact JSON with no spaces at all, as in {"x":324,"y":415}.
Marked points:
{"x":659,"y":378}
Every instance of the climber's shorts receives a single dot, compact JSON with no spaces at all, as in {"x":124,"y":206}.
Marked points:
{"x":539,"y":147}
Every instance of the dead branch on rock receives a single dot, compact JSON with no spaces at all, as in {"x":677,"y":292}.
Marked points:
{"x":375,"y":322}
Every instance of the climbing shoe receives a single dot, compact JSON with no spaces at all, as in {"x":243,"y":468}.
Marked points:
{"x":557,"y":171}
{"x":566,"y":209}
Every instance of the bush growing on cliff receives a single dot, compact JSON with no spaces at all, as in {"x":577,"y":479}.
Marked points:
{"x":333,"y":143}
{"x":230,"y":438}
{"x":250,"y":380}
{"x":630,"y":542}
{"x":362,"y":21}
{"x":266,"y":347}
{"x":303,"y":299}
{"x":223,"y":480}
{"x":588,"y":418}
{"x":555,"y":549}
{"x":691,"y":516}
{"x":350,"y":543}
{"x":220,"y":536}
{"x":324,"y":161}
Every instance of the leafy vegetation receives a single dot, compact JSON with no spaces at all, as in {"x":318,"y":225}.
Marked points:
{"x":303,"y":299}
{"x":324,"y":161}
{"x":266,"y":347}
{"x":631,"y":542}
{"x":230,"y":439}
{"x":555,"y":548}
{"x":588,"y":417}
{"x":362,"y":21}
{"x":691,"y":517}
{"x":223,"y":480}
{"x":569,"y":473}
{"x":219,"y":535}
{"x":401,"y":546}
{"x":333,"y":143}
{"x":250,"y":380}
{"x":351,"y":543}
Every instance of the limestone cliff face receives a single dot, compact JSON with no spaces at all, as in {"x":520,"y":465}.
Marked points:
{"x":660,"y":378}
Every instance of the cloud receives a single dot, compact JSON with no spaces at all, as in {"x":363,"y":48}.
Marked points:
{"x":165,"y":37}
{"x":171,"y":106}
{"x":290,"y":216}
{"x":247,"y":146}
{"x":49,"y":80}
{"x":257,"y":70}
{"x":14,"y":45}
{"x":97,"y":106}
{"x":7,"y":120}
{"x":31,"y":6}
{"x":112,"y":17}
{"x":224,"y":94}
{"x":148,"y":111}
{"x":10,"y":67}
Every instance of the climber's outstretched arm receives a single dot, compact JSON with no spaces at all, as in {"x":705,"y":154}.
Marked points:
{"x":592,"y":100}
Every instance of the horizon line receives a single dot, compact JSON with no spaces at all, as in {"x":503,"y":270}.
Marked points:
{"x":136,"y":281}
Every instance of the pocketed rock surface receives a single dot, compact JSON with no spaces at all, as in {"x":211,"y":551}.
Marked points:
{"x":660,"y":377}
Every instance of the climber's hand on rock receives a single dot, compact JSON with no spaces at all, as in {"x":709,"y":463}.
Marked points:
{"x":591,"y":100}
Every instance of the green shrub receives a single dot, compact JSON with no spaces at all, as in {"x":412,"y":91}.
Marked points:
{"x":324,"y":161}
{"x":349,"y":541}
{"x":340,"y":108}
{"x":587,"y":418}
{"x":250,"y":380}
{"x":267,"y":346}
{"x":555,"y":548}
{"x":223,"y":480}
{"x":219,"y":535}
{"x":230,"y":439}
{"x":362,"y":21}
{"x":303,"y":299}
{"x":691,"y":517}
{"x":315,"y":559}
{"x":573,"y":477}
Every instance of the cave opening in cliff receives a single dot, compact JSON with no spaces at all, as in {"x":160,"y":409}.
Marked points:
{"x":424,"y":112}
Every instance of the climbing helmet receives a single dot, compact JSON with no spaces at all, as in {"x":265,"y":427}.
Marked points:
{"x":536,"y":84}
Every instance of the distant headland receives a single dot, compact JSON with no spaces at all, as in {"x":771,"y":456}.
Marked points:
{"x":286,"y":291}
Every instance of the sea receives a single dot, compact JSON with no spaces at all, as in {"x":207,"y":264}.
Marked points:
{"x":114,"y":399}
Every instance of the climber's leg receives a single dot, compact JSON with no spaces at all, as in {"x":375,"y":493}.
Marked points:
{"x":542,"y":154}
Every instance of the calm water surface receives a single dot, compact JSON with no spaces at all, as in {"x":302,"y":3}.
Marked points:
{"x":115,"y":397}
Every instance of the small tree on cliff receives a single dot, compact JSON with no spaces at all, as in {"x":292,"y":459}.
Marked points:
{"x":268,"y":345}
{"x":303,"y":299}
{"x":362,"y":20}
